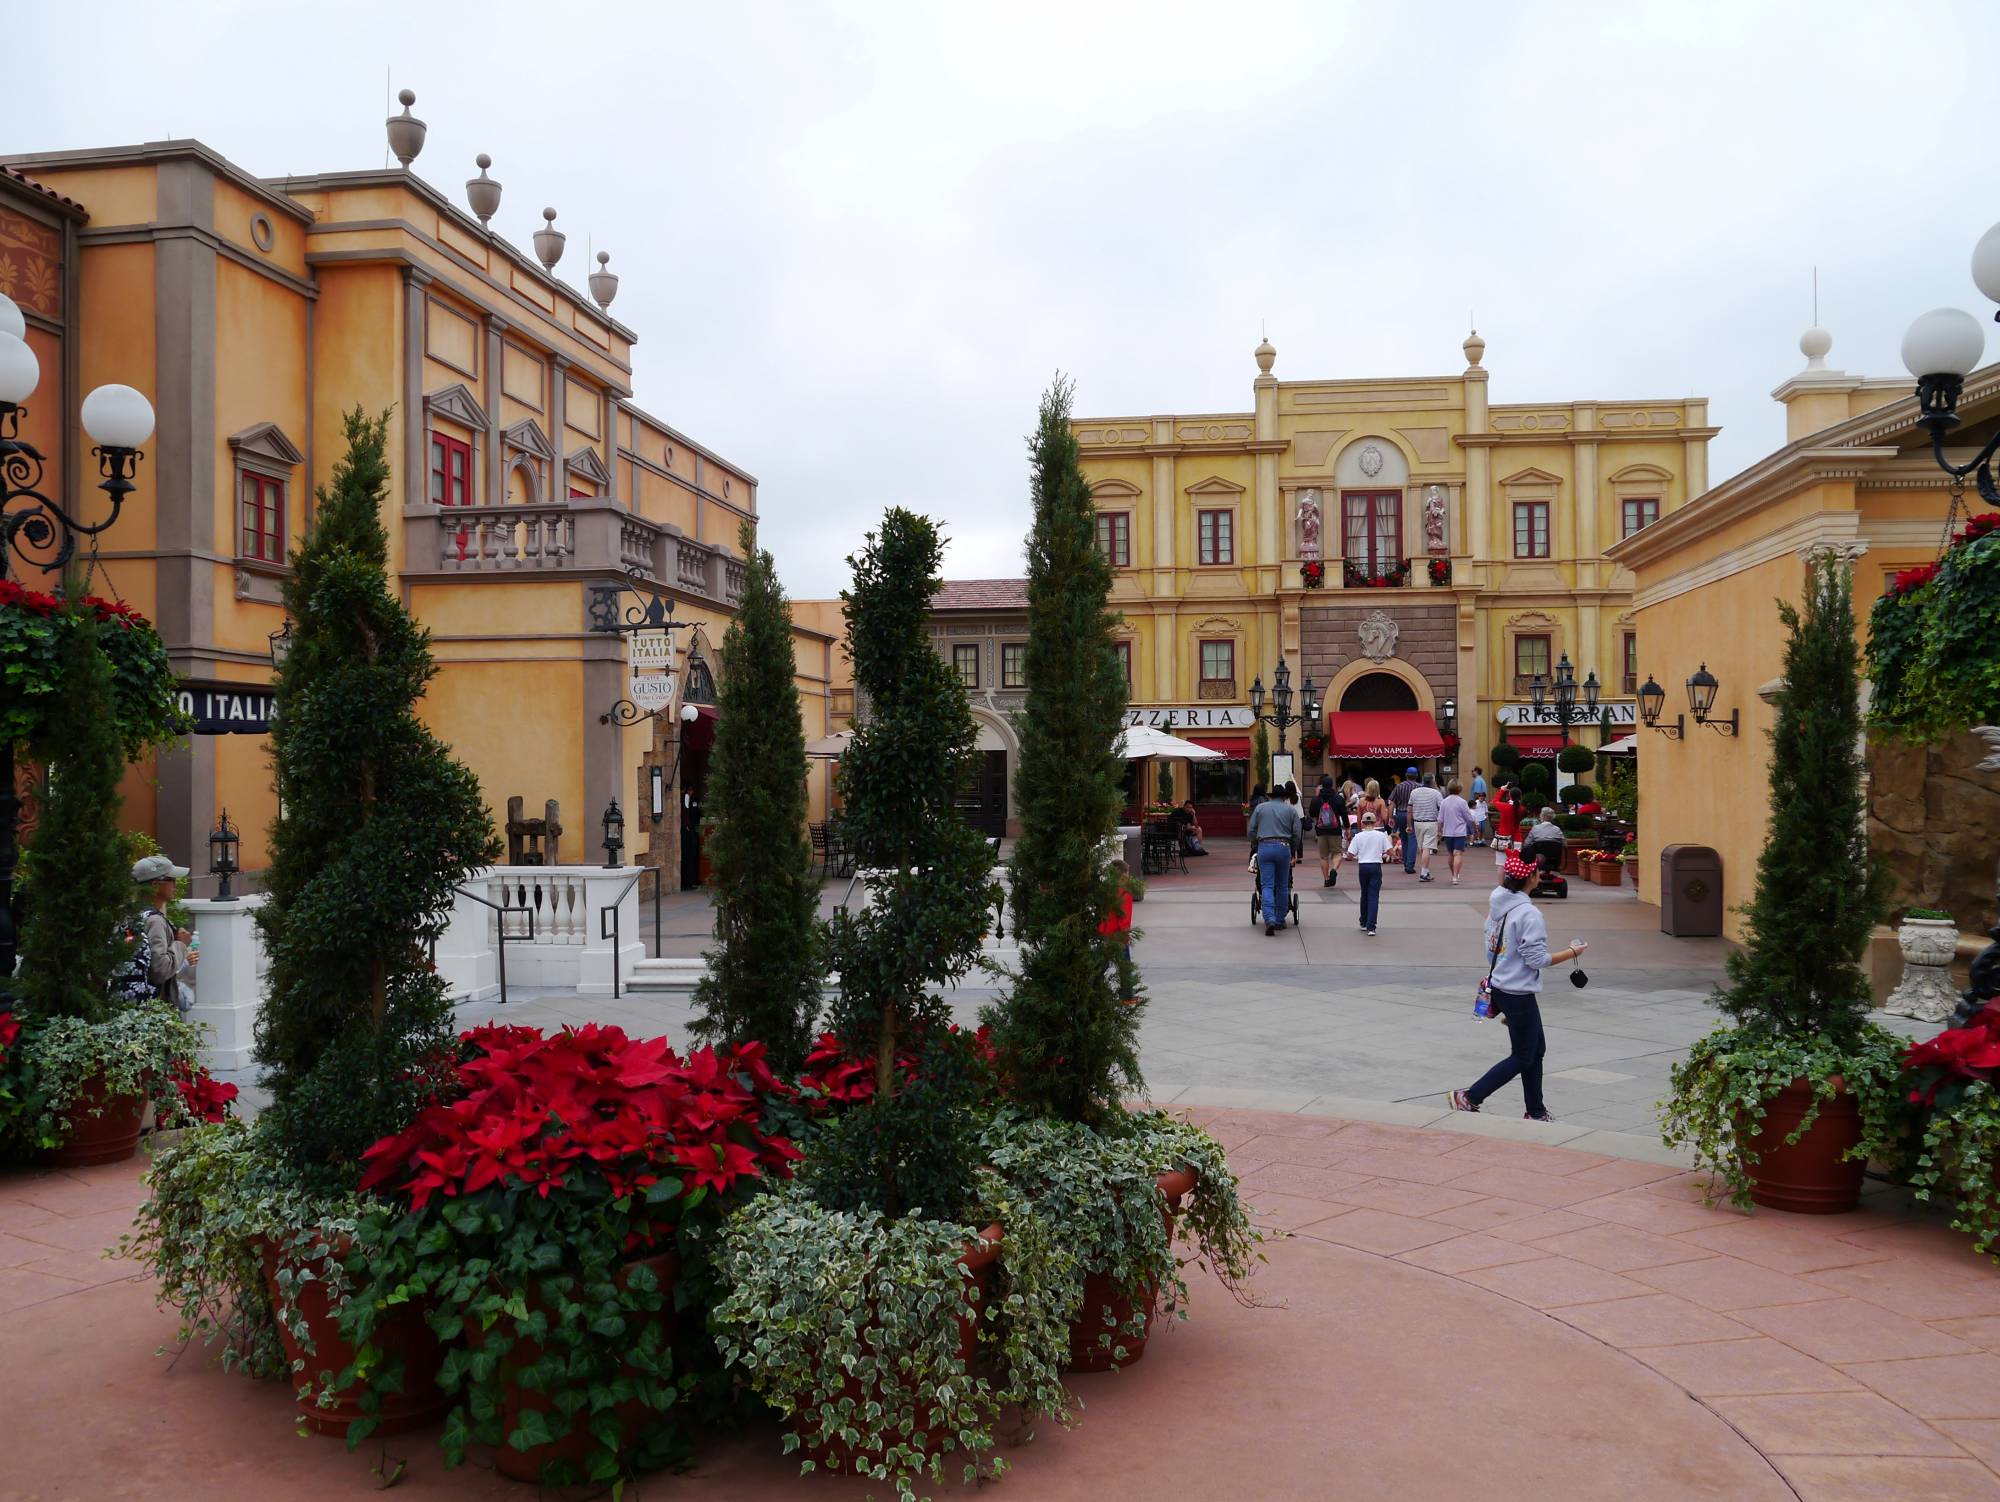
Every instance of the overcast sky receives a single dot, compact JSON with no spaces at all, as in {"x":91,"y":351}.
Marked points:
{"x":856,"y":240}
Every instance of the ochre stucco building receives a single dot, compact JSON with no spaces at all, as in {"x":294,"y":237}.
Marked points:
{"x":255,"y":312}
{"x":1460,"y":547}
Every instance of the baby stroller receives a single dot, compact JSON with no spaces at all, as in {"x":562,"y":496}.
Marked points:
{"x":1257,"y":898}
{"x":1547,"y":855}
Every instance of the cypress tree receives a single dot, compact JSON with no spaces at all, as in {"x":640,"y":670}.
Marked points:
{"x":1260,"y":759}
{"x":77,"y":879}
{"x":930,"y":892}
{"x":380,"y":824}
{"x":1819,"y":891}
{"x":1069,"y":1038}
{"x":763,"y":981}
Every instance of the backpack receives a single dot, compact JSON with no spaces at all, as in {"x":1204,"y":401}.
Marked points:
{"x":133,"y":979}
{"x":1326,"y":819}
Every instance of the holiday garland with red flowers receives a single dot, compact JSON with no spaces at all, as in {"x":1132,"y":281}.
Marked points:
{"x":1953,"y":1151}
{"x":1440,"y":571}
{"x":1934,"y":640}
{"x":144,"y":688}
{"x":1312,"y":573}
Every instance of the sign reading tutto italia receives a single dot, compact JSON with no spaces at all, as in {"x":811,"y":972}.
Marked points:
{"x":227,"y":708}
{"x":1192,"y":717}
{"x":652,"y":683}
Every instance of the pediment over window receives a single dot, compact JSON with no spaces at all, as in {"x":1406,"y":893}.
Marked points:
{"x":527,"y":436}
{"x":587,"y":464}
{"x":1532,"y":476}
{"x":456,"y":404}
{"x":1215,"y":485}
{"x":1113,"y":488}
{"x":1640,"y":474}
{"x":1531,"y":621}
{"x":267,"y":442}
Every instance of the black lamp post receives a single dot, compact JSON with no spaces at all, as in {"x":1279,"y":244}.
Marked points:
{"x":1566,"y":693}
{"x":614,"y":835}
{"x":223,"y":843}
{"x":35,"y":528}
{"x":1281,"y":699}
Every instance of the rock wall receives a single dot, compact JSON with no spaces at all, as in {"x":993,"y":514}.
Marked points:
{"x":1937,"y":822}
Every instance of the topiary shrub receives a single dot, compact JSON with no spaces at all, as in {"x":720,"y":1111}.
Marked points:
{"x":1506,"y":757}
{"x":1537,"y":779}
{"x":1575,"y":793}
{"x":1575,"y":759}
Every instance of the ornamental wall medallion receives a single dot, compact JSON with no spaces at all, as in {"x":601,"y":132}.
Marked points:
{"x":1371,"y":461}
{"x":1378,"y":636}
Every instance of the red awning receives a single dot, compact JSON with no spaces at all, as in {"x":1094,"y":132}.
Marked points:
{"x":1535,"y":742}
{"x":1383,"y":733}
{"x":698,"y":734}
{"x":1235,"y":746}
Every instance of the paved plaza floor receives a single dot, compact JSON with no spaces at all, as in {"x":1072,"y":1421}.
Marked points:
{"x":1450,"y":1315}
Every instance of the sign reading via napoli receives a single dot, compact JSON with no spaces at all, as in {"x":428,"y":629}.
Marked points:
{"x":1192,"y":717}
{"x":652,"y":687}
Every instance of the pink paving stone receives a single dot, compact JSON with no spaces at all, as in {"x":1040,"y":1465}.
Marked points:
{"x":1832,"y":1423}
{"x":1295,"y":1178}
{"x":1380,"y":1231}
{"x":21,"y":1287}
{"x":1468,"y":1253}
{"x":14,"y":1250}
{"x":1527,"y":1227}
{"x":1372,"y":1136}
{"x":1830,"y":1478}
{"x":1840,"y":1330}
{"x":1656,"y":1319}
{"x":1915,"y":1289}
{"x":1411,"y":1168}
{"x":1933,"y":1244}
{"x":1727,"y":1283}
{"x":1937,"y":1387}
{"x":1740,"y":1368}
{"x":1547,"y":1189}
{"x":1316,"y":1151}
{"x":1404,"y":1198}
{"x":1645,"y":1211}
{"x":1554,"y":1282}
{"x":1625,"y":1173}
{"x":1980,"y":1436}
{"x":1772,"y":1239}
{"x":1288,"y":1212}
{"x":1619,"y":1249}
{"x":1531,"y":1156}
{"x":89,"y":1234}
{"x":1983,"y":1332}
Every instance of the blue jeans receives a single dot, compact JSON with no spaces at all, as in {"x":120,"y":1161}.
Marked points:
{"x":1523,"y":1015}
{"x":1274,"y":871}
{"x":1408,"y":831}
{"x":1371,"y":892}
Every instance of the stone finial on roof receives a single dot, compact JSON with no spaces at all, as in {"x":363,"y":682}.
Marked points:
{"x":549,"y":241}
{"x":603,"y":281}
{"x":1813,"y":344}
{"x":1267,"y":356}
{"x":482,"y":192}
{"x":1474,"y":348}
{"x":406,"y":131}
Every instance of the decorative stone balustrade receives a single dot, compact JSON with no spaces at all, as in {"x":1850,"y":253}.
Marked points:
{"x":499,"y":539}
{"x":691,"y":564}
{"x":638,"y":548}
{"x":732,"y":580}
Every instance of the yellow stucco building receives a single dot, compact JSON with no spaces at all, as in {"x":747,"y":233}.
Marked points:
{"x":255,"y":312}
{"x":1856,"y":476}
{"x":1404,"y":541}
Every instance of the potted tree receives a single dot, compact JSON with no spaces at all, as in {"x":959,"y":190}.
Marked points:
{"x":1787,"y":1102}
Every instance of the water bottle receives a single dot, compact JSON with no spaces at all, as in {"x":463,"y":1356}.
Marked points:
{"x":194,"y":946}
{"x":1482,"y":1005}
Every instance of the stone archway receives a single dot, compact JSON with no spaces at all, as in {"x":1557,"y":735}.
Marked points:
{"x":1379,"y":691}
{"x":1335,"y":694}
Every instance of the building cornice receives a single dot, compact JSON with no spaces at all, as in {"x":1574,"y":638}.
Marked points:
{"x":140,"y":234}
{"x":150,"y":152}
{"x":691,"y":444}
{"x":1661,"y":434}
{"x":1819,"y":529}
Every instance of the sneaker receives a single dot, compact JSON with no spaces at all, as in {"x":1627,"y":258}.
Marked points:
{"x":1425,"y":876}
{"x":1536,"y":1116}
{"x":1369,"y":931}
{"x":1454,"y":881}
{"x":1460,"y":1101}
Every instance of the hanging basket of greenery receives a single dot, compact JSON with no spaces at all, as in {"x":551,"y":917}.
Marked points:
{"x":144,"y":691}
{"x":1934,"y":640}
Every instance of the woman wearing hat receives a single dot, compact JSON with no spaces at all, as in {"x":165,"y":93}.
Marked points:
{"x":1517,"y":945}
{"x":171,"y":960}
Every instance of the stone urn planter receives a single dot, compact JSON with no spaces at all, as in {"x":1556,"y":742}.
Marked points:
{"x":1108,"y":1311}
{"x":1925,"y":992}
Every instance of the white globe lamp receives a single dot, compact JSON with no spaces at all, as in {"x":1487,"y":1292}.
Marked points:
{"x":1943,"y":342}
{"x":19,"y":369}
{"x":11,"y":321}
{"x":1986,"y":264}
{"x":117,"y":417}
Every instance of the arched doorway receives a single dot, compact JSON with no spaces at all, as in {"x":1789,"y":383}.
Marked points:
{"x":1376,"y":691}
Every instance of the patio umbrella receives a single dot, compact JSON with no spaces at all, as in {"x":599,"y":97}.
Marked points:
{"x":1142,"y":742}
{"x":1627,"y":745}
{"x":830,"y":747}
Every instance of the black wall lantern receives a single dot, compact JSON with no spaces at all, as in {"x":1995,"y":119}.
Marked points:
{"x":281,"y":644}
{"x":223,"y":843}
{"x":1653,"y":699}
{"x":614,"y":835}
{"x":1701,"y":690}
{"x":656,"y":781}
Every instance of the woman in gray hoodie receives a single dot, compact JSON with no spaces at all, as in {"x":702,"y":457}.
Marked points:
{"x":1517,"y":944}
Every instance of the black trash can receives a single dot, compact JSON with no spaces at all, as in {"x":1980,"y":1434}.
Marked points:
{"x":1690,"y":892}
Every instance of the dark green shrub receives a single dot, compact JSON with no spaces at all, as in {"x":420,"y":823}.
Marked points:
{"x":1537,"y":778}
{"x":1506,"y":757}
{"x":1574,"y":759}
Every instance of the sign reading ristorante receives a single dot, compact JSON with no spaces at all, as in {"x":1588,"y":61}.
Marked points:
{"x":1191,"y":717}
{"x":227,"y":708}
{"x":1625,"y":714}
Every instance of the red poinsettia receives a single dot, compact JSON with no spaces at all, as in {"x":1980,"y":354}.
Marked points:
{"x":203,"y":1096}
{"x":835,"y":1077}
{"x":31,"y":600}
{"x":1978,"y":526}
{"x":1956,"y":1057}
{"x":544,"y":1113}
{"x":10,"y":1031}
{"x":1913,"y":578}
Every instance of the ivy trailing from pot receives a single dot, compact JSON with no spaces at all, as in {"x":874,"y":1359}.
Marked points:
{"x":1934,"y":640}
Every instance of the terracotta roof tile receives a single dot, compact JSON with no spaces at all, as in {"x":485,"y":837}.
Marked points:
{"x":16,"y":175}
{"x":981,"y":594}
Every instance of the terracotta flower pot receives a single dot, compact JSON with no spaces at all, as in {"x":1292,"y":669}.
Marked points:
{"x":840,"y":1457}
{"x":526,"y":1465}
{"x":403,"y":1332}
{"x":1108,"y":1309}
{"x":101,"y":1128}
{"x":1813,"y":1176}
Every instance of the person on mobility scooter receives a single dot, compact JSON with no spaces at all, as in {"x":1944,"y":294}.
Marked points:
{"x":1543,"y":844}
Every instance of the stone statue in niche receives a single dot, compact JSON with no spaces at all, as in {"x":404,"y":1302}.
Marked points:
{"x":1308,"y":520}
{"x":1378,"y":636}
{"x":1434,"y":520}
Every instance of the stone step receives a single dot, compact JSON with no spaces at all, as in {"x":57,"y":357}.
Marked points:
{"x":668,"y":974}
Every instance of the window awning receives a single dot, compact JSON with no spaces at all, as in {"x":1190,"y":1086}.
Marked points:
{"x":1535,"y":742}
{"x":1236,"y":747}
{"x":1379,"y":733}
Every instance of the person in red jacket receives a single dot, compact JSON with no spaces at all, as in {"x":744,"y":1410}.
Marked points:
{"x":1506,"y":821}
{"x":1117,"y":923}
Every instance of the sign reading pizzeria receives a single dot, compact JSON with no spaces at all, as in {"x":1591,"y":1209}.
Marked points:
{"x":1192,"y":717}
